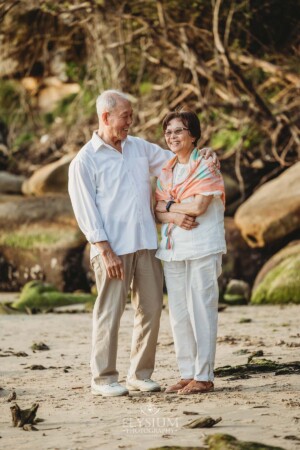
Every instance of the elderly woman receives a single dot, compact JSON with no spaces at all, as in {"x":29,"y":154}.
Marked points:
{"x":190,"y":191}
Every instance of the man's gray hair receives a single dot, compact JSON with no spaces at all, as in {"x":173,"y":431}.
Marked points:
{"x":108,"y":100}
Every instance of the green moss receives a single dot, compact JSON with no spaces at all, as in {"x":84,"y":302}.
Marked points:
{"x":17,"y":240}
{"x":281,"y":285}
{"x":38,"y":295}
{"x":227,"y":442}
{"x":36,"y":239}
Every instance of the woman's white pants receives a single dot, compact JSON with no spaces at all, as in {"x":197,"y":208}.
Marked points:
{"x":193,"y":305}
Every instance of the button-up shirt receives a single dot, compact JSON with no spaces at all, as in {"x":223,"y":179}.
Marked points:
{"x":111,"y":193}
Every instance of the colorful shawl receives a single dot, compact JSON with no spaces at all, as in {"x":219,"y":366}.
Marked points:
{"x":203,"y":177}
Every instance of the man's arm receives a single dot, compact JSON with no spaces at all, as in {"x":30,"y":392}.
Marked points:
{"x":82,"y":191}
{"x":157,"y":157}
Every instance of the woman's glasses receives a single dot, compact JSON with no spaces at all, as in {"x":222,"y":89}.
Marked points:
{"x":177,"y":132}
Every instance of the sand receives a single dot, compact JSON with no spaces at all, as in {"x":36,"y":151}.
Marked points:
{"x":263,"y":408}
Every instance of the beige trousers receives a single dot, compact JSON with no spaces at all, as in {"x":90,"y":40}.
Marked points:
{"x":143,"y":272}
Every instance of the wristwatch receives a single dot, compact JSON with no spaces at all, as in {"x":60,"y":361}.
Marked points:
{"x":169,"y":204}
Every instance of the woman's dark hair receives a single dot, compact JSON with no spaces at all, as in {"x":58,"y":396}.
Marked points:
{"x":189,"y":119}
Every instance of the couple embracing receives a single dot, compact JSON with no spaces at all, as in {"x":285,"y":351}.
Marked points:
{"x":110,"y":190}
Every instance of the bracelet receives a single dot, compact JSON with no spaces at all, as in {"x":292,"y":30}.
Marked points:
{"x":169,"y":204}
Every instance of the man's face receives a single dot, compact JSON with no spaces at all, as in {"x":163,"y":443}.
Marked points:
{"x":120,"y":119}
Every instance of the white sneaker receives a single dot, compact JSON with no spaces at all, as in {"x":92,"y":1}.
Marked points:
{"x":108,"y":390}
{"x":146,"y":385}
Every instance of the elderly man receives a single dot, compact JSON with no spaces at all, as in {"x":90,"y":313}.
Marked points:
{"x":110,"y":190}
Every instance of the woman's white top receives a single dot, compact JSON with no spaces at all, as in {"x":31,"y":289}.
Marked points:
{"x":206,"y":239}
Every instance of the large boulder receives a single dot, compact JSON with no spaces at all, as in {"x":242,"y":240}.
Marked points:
{"x":50,"y":179}
{"x":279,"y":279}
{"x":273,"y":211}
{"x":39,"y":239}
{"x":10,"y":183}
{"x":241,"y":262}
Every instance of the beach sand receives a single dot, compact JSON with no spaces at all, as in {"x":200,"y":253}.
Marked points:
{"x":263,"y":408}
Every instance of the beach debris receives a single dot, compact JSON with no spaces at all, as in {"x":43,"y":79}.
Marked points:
{"x":36,"y":367}
{"x":245,"y":320}
{"x":228,"y":442}
{"x":255,"y":355}
{"x":203,"y":422}
{"x":227,"y":339}
{"x":243,"y":351}
{"x":190,"y":413}
{"x":39,"y":346}
{"x":11,"y":353}
{"x":292,"y":437}
{"x":23,"y":417}
{"x":257,"y":365}
{"x":242,"y":376}
{"x":12,"y":397}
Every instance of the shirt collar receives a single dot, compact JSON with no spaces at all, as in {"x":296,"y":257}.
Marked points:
{"x":97,"y":142}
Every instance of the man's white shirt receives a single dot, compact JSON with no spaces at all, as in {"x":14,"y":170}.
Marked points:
{"x":111,"y":193}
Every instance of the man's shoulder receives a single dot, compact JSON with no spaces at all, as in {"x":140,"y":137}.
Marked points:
{"x":147,"y":146}
{"x":86,"y":152}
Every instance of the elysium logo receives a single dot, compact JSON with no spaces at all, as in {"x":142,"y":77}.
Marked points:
{"x":149,"y":410}
{"x":150,"y":421}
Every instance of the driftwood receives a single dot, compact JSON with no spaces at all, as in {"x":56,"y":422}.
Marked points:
{"x":203,"y":422}
{"x":23,"y":417}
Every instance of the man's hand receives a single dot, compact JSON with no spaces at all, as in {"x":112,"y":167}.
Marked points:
{"x":113,"y":264}
{"x":207,"y":152}
{"x":184,"y":221}
{"x":161,"y":206}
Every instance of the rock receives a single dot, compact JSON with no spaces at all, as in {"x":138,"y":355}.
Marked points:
{"x":50,"y":179}
{"x":292,"y":248}
{"x":232,"y":189}
{"x":41,"y":296}
{"x":237,"y":292}
{"x":10,"y":183}
{"x":227,"y":442}
{"x":281,"y":284}
{"x":273,"y":211}
{"x":54,"y":92}
{"x":39,"y":239}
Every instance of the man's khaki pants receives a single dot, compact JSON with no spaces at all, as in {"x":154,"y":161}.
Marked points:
{"x":144,"y":271}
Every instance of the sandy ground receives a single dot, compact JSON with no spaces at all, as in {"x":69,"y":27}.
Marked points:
{"x":263,"y":408}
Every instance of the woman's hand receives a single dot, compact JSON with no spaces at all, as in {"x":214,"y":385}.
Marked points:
{"x":184,"y":221}
{"x":161,"y":206}
{"x":208,"y":152}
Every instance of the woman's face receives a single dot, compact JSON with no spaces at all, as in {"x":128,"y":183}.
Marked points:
{"x":178,"y":137}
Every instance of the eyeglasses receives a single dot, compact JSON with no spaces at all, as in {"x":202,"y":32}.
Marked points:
{"x":177,"y":132}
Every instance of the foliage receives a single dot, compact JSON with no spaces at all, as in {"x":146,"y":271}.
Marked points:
{"x":241,"y":78}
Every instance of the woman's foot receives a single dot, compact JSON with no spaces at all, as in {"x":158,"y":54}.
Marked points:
{"x":176,"y":387}
{"x":196,"y":387}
